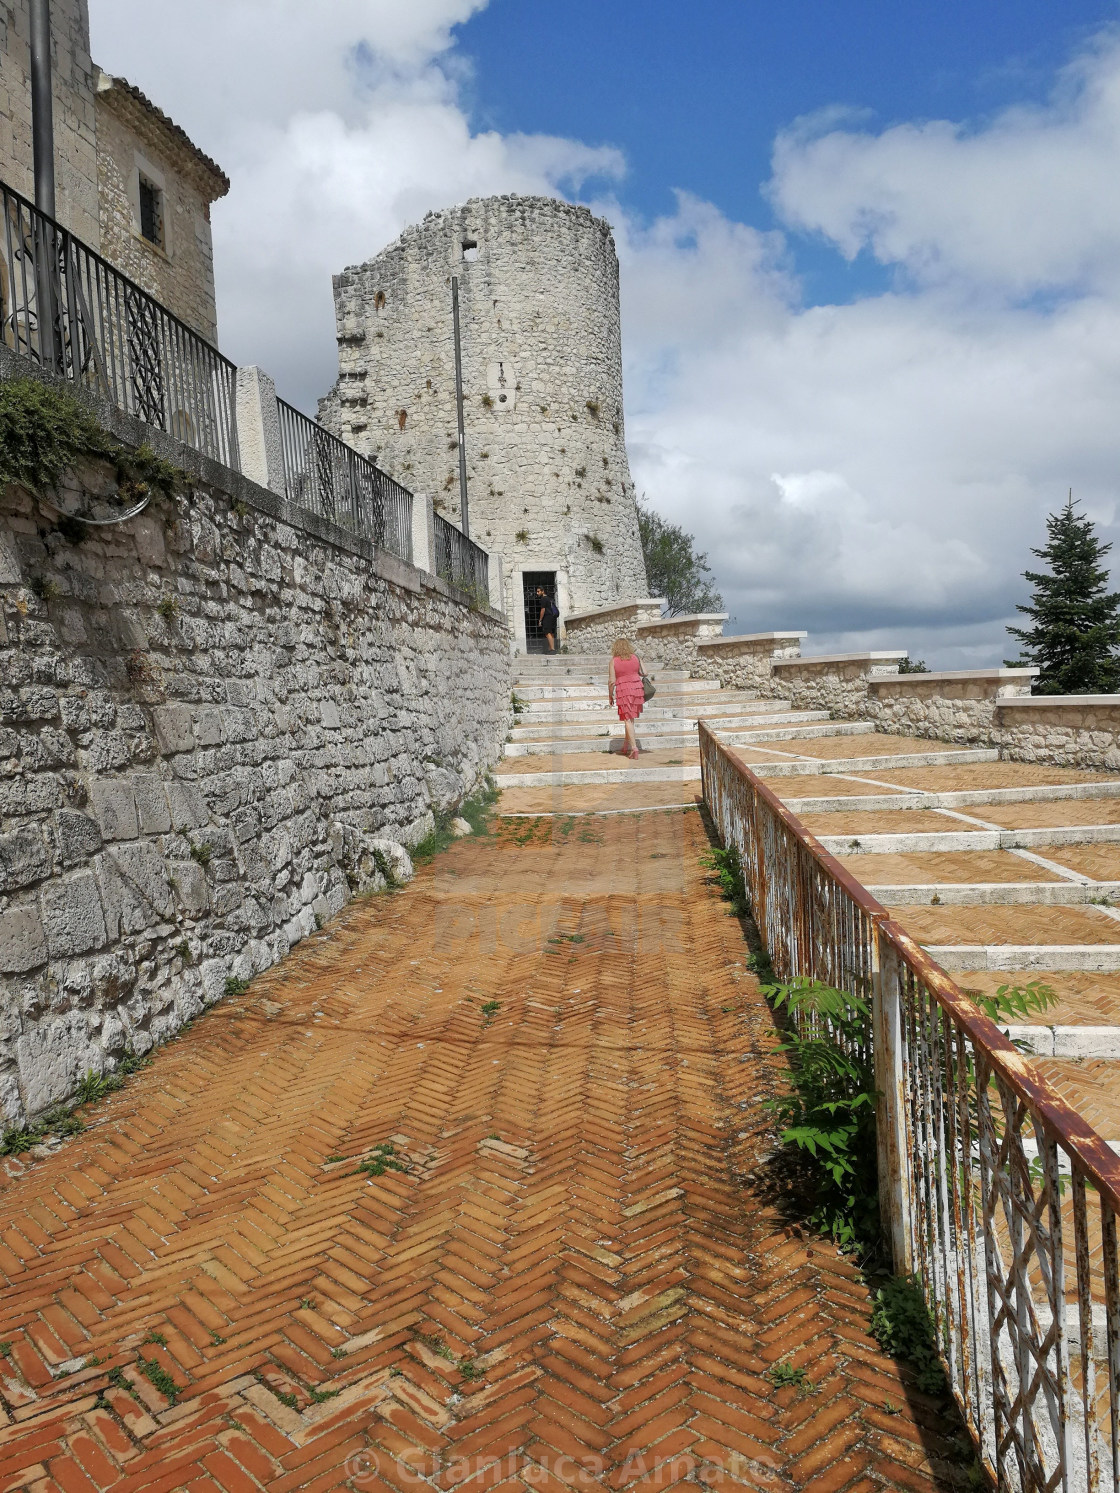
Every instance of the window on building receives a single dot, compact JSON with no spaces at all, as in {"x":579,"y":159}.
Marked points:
{"x":470,"y":250}
{"x":151,"y":211}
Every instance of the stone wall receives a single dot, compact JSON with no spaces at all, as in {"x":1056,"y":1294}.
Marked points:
{"x":217,"y":720}
{"x":548,"y":479}
{"x":833,"y":682}
{"x":595,"y":632}
{"x":747,"y":661}
{"x":133,"y":136}
{"x":672,"y":641}
{"x":75,"y":129}
{"x":1069,"y":730}
{"x":960,"y":706}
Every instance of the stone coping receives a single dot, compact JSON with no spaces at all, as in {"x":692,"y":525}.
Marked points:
{"x":840,"y":658}
{"x":615,"y":606}
{"x":1060,"y":702}
{"x":948,"y":676}
{"x":684,"y":618}
{"x":751,"y":637}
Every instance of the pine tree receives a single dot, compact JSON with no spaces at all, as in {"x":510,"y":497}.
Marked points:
{"x":1076,"y":629}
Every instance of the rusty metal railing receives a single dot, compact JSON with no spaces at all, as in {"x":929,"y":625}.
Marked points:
{"x":996,"y":1193}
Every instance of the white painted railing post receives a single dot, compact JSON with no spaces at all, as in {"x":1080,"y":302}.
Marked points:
{"x":258,"y":430}
{"x":423,"y":533}
{"x":891,"y":1129}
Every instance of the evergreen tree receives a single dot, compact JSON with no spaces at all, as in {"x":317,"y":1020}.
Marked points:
{"x":1076,"y":621}
{"x":674,"y":569}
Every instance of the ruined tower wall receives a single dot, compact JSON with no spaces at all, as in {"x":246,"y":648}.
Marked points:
{"x":549,"y":485}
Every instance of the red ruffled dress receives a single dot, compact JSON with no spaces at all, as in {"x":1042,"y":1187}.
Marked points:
{"x":628,"y":693}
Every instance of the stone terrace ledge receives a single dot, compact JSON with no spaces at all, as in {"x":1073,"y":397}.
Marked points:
{"x":672,"y":641}
{"x":744,"y":662}
{"x":834,"y":681}
{"x":951,"y":705}
{"x":596,"y":630}
{"x":1071,"y":730}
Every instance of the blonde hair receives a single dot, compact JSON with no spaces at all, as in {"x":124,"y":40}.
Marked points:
{"x":623,"y":648}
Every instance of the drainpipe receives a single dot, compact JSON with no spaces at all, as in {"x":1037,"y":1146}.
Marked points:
{"x":42,"y":106}
{"x":464,"y":519}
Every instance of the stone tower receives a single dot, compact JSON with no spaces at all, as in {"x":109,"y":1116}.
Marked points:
{"x":548,"y":482}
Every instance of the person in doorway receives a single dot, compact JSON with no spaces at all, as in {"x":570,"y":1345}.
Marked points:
{"x":624,"y":685}
{"x":549,"y":619}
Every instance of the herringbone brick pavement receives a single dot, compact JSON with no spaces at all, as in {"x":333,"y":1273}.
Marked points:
{"x":574,"y":1278}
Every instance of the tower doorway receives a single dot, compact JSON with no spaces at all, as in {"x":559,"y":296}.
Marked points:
{"x":534,"y":633}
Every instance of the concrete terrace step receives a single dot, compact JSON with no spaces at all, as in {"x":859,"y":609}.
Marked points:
{"x":589,"y":690}
{"x":810,"y":766}
{"x":653,"y":725}
{"x":1094,"y":958}
{"x":602,"y":743}
{"x":907,"y":798}
{"x":997,"y":893}
{"x":801,"y":767}
{"x":983,"y":839}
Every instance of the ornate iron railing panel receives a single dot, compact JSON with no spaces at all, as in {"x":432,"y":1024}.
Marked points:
{"x":70,"y":311}
{"x":999,"y":1196}
{"x":325,"y":476}
{"x":460,"y":561}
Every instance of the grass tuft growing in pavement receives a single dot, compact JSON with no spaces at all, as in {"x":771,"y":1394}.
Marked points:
{"x":476,"y":810}
{"x":158,"y":1377}
{"x":382,"y":1159}
{"x":785,"y":1375}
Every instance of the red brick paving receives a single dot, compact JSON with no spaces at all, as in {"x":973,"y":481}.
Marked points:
{"x":573,"y":1283}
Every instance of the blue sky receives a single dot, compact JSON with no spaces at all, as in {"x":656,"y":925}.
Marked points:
{"x":870,"y":254}
{"x":694,"y":95}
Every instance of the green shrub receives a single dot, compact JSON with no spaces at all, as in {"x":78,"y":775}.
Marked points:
{"x":903,"y":1327}
{"x":829,"y":1111}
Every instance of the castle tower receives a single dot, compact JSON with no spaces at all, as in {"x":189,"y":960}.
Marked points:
{"x":548,"y":482}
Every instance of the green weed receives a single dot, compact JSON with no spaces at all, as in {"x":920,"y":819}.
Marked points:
{"x":902,"y":1326}
{"x":235,"y":985}
{"x":729,"y":875}
{"x":382,"y":1159}
{"x":786,"y":1375}
{"x":829,"y":1112}
{"x":158,"y":1377}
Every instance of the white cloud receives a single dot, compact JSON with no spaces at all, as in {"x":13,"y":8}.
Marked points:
{"x":874,"y":471}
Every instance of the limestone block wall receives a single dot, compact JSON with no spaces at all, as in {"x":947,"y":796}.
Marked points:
{"x":746,"y":662}
{"x":210,"y":719}
{"x":548,"y":479}
{"x":672,"y":641}
{"x":595,"y":632}
{"x":961,"y":705}
{"x":1068,"y":730}
{"x":834,"y":682}
{"x":75,"y":129}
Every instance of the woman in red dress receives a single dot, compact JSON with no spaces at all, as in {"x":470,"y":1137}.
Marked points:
{"x":624,"y":684}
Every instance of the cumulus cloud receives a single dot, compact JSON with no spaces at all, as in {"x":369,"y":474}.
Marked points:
{"x":874,"y":471}
{"x":338,"y":125}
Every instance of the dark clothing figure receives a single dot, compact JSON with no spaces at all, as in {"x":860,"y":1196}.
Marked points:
{"x":549,"y":618}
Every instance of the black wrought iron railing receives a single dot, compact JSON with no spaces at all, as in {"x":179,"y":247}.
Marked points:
{"x":460,"y":562}
{"x":328,"y":477}
{"x":73,"y":313}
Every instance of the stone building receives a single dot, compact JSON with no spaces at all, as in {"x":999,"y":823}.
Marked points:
{"x":548,"y":481}
{"x":129,"y":181}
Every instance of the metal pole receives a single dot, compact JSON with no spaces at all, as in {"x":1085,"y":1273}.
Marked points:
{"x":42,"y":106}
{"x":465,"y":523}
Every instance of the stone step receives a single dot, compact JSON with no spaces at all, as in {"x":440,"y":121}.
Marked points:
{"x":654,"y":725}
{"x":908,"y":800}
{"x":997,"y":893}
{"x":592,"y":691}
{"x":796,"y":732}
{"x":686,"y":773}
{"x":1094,"y":958}
{"x":810,"y":766}
{"x":664,"y":703}
{"x":604,"y":743}
{"x":979,"y":839}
